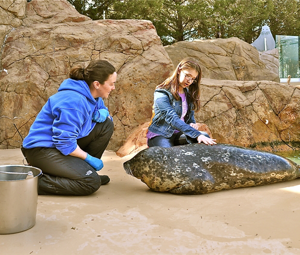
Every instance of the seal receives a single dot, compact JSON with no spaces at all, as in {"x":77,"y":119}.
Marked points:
{"x":201,"y":169}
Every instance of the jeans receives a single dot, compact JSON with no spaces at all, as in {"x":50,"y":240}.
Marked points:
{"x":68,"y":175}
{"x":174,"y":140}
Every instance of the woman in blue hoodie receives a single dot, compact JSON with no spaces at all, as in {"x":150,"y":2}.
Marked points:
{"x":71,"y":132}
{"x":175,"y":101}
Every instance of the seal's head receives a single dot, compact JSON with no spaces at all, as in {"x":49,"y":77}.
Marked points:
{"x":141,"y":162}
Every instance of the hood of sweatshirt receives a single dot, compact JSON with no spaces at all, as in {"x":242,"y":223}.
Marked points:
{"x":79,"y":86}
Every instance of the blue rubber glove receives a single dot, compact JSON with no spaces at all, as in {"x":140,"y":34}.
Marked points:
{"x":100,"y":115}
{"x":94,"y":162}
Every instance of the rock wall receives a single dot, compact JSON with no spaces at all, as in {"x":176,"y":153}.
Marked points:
{"x":259,"y":114}
{"x":11,"y":14}
{"x":228,"y":59}
{"x":43,"y":39}
{"x":271,"y":60}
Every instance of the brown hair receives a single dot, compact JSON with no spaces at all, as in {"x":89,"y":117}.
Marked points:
{"x":172,"y":83}
{"x":97,"y":70}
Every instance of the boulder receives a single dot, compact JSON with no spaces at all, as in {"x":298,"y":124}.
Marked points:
{"x":135,"y":142}
{"x":228,"y":59}
{"x":259,"y":114}
{"x":271,"y":60}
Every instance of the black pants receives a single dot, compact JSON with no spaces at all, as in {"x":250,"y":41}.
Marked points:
{"x":174,"y":140}
{"x":68,"y":175}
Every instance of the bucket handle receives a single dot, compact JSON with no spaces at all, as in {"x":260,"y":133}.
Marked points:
{"x":29,"y":173}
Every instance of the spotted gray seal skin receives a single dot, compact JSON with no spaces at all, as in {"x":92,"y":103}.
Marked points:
{"x":201,"y":169}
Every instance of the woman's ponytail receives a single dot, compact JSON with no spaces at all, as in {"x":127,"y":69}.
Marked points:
{"x":77,"y":73}
{"x":97,"y":70}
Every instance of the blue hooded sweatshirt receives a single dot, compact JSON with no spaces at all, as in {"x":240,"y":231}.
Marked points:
{"x":66,"y":117}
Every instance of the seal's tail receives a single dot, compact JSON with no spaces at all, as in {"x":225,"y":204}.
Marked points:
{"x":298,"y":171}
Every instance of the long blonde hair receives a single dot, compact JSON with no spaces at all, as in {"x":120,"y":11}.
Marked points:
{"x":172,"y":83}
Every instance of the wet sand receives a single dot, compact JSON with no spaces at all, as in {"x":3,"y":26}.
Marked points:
{"x":125,"y":217}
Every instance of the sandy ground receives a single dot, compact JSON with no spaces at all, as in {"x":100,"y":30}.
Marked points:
{"x":124,"y":217}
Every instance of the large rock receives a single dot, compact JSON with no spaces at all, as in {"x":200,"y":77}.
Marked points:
{"x":271,"y":60}
{"x":43,"y":39}
{"x":258,"y":114}
{"x":228,"y":59}
{"x":11,"y":14}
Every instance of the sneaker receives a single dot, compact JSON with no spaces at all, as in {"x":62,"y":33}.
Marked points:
{"x":104,"y":179}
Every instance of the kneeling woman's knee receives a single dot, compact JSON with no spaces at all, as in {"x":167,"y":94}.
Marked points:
{"x":82,"y":186}
{"x":86,"y":185}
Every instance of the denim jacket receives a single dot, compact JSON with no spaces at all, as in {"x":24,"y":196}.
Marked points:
{"x":166,"y":115}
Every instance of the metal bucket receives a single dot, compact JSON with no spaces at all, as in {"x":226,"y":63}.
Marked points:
{"x":18,"y":197}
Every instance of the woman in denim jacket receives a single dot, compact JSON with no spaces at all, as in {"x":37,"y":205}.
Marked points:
{"x":175,"y":100}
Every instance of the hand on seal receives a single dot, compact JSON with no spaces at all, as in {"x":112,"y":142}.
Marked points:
{"x":206,"y":140}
